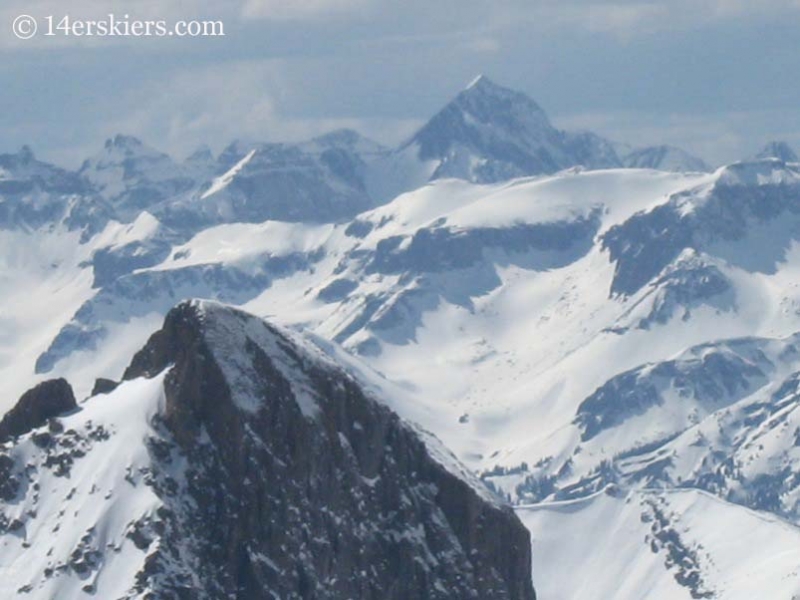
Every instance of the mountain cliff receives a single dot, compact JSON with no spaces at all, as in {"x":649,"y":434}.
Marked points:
{"x":235,"y":461}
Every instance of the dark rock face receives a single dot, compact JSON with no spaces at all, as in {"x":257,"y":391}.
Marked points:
{"x":45,"y":401}
{"x":442,"y":248}
{"x":687,"y":284}
{"x":749,"y":199}
{"x":104,"y":386}
{"x":302,"y":486}
{"x":716,"y":377}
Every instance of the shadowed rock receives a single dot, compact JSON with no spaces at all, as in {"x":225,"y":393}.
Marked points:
{"x":104,"y":386}
{"x":45,"y":401}
{"x":303,"y":486}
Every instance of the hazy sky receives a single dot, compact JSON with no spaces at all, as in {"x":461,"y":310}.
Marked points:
{"x":718,"y":77}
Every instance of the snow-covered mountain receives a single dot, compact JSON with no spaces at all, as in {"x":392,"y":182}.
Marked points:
{"x":320,"y":180}
{"x":133,"y":177}
{"x":35,"y":195}
{"x":488,"y":133}
{"x":317,"y":181}
{"x":612,"y":350}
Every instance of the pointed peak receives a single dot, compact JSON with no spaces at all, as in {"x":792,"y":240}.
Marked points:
{"x":480,"y":116}
{"x":478,"y":81}
{"x":22,"y":158}
{"x":127,"y":147}
{"x":483,"y":85}
{"x":484,"y":91}
{"x":778,"y":149}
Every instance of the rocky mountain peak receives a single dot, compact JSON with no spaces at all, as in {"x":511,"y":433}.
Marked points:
{"x":491,"y":133}
{"x":778,"y":149}
{"x":133,"y":176}
{"x":487,"y":89}
{"x":480,"y":80}
{"x":274,"y":430}
{"x":484,"y":103}
{"x":235,"y":460}
{"x":124,"y":142}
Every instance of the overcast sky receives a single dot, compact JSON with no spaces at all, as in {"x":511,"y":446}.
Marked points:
{"x":718,"y":77}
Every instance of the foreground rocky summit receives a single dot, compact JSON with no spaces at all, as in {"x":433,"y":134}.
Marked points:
{"x":236,"y":462}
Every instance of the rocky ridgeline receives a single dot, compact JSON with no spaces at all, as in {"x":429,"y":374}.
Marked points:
{"x":276,"y":476}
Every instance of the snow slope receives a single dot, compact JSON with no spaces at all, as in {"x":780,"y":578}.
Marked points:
{"x":79,"y":520}
{"x":679,"y":545}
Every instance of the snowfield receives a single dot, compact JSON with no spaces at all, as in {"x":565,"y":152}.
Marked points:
{"x":720,"y":550}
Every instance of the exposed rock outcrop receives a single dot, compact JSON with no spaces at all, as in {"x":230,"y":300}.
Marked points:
{"x":45,"y":401}
{"x":303,"y":486}
{"x":103,"y":386}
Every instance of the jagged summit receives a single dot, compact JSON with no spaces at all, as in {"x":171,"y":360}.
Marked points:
{"x":21,"y":158}
{"x":120,"y":148}
{"x":501,"y":107}
{"x":491,"y":133}
{"x":35,"y":193}
{"x":778,"y":149}
{"x":133,"y":176}
{"x":24,"y":157}
{"x":122,"y":141}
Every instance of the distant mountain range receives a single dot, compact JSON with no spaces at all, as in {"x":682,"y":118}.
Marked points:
{"x":486,"y":134}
